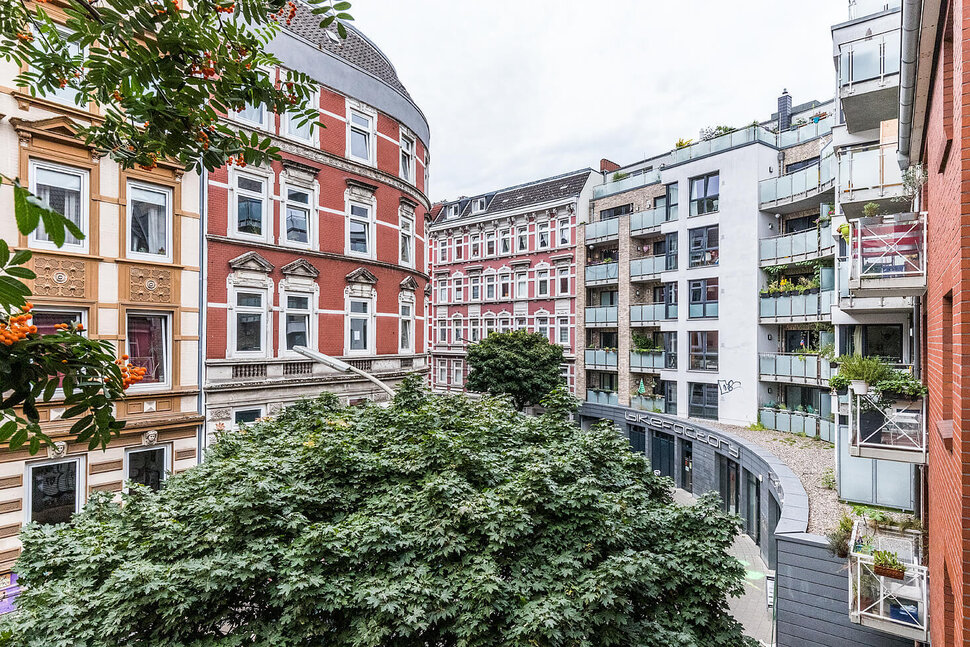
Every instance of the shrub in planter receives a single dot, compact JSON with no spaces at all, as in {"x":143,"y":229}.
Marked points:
{"x":839,"y":538}
{"x":887,"y":564}
{"x":901,"y":385}
{"x":840,"y":383}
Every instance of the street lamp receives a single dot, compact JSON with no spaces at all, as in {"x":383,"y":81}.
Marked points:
{"x":343,"y":367}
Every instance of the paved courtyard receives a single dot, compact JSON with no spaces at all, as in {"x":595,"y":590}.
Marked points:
{"x":750,"y":609}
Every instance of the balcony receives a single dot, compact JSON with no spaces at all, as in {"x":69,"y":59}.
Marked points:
{"x":868,"y":174}
{"x":652,"y":312}
{"x":595,"y":396}
{"x":869,"y":79}
{"x":798,"y":422}
{"x":736,"y":139}
{"x":805,"y":133}
{"x":602,"y":274}
{"x":653,"y":403}
{"x":600,"y":358}
{"x":800,"y":190}
{"x":797,"y":308}
{"x":888,"y":256}
{"x":800,"y":246}
{"x":891,"y":601}
{"x":626,"y":184}
{"x":645,"y":222}
{"x":601,"y":317}
{"x":652,"y":360}
{"x":863,"y":8}
{"x":649,"y":267}
{"x":602,"y":230}
{"x":892,"y":429}
{"x":276,"y":370}
{"x":795,"y":368}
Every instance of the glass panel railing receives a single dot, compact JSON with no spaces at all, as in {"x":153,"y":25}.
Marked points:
{"x":626,"y":183}
{"x":601,"y":315}
{"x":797,"y":422}
{"x":601,"y":357}
{"x":648,"y":312}
{"x":808,"y":132}
{"x":647,"y":360}
{"x":863,"y":8}
{"x":651,"y":218}
{"x":653,"y":403}
{"x":603,"y":229}
{"x":647,"y":266}
{"x":869,"y":58}
{"x":804,"y":366}
{"x":809,"y":242}
{"x":796,"y":305}
{"x":602,"y":272}
{"x":869,"y":169}
{"x":702,"y":310}
{"x":800,"y":183}
{"x":596,"y":396}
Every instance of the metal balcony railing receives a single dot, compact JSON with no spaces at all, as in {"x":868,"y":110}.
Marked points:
{"x":894,"y":602}
{"x":895,"y":431}
{"x":602,"y":272}
{"x":603,"y":229}
{"x":599,"y":357}
{"x":888,"y":255}
{"x":601,"y":316}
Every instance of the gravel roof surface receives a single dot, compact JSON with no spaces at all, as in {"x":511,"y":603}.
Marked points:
{"x":810,"y":459}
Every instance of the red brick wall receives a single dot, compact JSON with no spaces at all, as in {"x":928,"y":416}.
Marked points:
{"x":946,"y":361}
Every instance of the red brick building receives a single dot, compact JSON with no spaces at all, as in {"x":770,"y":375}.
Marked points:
{"x":506,"y":260}
{"x":324,"y":249}
{"x":934,"y":99}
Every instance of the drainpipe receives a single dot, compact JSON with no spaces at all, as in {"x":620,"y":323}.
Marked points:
{"x":203,"y":204}
{"x":909,"y":54}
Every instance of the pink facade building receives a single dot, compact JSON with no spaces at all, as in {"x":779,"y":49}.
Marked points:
{"x":505,"y":260}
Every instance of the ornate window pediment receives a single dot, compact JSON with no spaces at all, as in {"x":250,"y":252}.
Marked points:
{"x":362,"y":275}
{"x":300,"y":267}
{"x":409,"y":284}
{"x":253,"y":262}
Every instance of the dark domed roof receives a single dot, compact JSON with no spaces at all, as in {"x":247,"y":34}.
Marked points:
{"x":356,"y":49}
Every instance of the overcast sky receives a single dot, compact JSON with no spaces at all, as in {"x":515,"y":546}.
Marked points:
{"x":517,"y":91}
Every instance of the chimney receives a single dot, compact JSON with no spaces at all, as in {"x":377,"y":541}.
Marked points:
{"x":606,"y":166}
{"x":784,"y":111}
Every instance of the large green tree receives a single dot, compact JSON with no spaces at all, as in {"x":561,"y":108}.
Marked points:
{"x":438,"y":521}
{"x":523,"y":365}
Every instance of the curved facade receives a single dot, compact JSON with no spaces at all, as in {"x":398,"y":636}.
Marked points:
{"x":324,"y":248}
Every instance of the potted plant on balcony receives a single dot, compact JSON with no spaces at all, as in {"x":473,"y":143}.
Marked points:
{"x":901,"y":386}
{"x":861,"y":372}
{"x":870,"y":209}
{"x":886,"y":563}
{"x":839,"y":383}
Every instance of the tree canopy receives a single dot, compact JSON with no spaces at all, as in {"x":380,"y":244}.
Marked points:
{"x":523,"y":365}
{"x":438,"y":521}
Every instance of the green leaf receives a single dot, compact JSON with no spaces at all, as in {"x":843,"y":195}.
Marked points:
{"x":4,"y":252}
{"x":20,"y":272}
{"x":27,"y":216}
{"x":21,"y":256}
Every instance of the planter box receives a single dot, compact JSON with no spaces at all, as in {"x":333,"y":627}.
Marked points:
{"x":885,"y":571}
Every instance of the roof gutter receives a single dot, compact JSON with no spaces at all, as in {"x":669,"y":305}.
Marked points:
{"x":909,"y":56}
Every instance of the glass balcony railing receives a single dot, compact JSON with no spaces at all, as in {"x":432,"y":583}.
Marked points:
{"x":801,"y":245}
{"x":603,"y":229}
{"x":892,"y":598}
{"x":702,"y":310}
{"x":647,"y":360}
{"x":724,"y":142}
{"x":601,"y":357}
{"x":808,"y":132}
{"x":648,"y":403}
{"x":795,"y":367}
{"x":888,"y":255}
{"x":806,"y":182}
{"x":803,"y":306}
{"x":863,"y":8}
{"x":602,"y":272}
{"x":626,"y":183}
{"x":868,"y":59}
{"x":872,"y":170}
{"x":651,"y":218}
{"x":596,"y":396}
{"x":652,"y":312}
{"x":650,"y":265}
{"x":602,"y":316}
{"x":798,"y":422}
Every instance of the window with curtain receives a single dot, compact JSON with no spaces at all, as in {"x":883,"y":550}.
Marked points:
{"x":61,"y":189}
{"x":148,"y":220}
{"x":147,"y":342}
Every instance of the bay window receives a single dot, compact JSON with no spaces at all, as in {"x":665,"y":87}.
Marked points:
{"x":148,"y":342}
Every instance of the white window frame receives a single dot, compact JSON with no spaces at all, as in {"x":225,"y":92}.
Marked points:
{"x":542,"y":325}
{"x":505,"y":286}
{"x":476,"y":246}
{"x":371,"y":132}
{"x":85,"y":205}
{"x":455,"y":210}
{"x":370,"y":348}
{"x":167,"y":447}
{"x":458,"y":289}
{"x":406,"y":227}
{"x":522,"y":235}
{"x":234,"y":425}
{"x":479,"y":205}
{"x":442,"y":371}
{"x":371,"y":226}
{"x":562,"y":274}
{"x":404,"y":349}
{"x":169,"y":344}
{"x":522,"y":285}
{"x":311,"y":215}
{"x":474,"y":289}
{"x":563,"y":328}
{"x":474,"y":329}
{"x":266,"y":196}
{"x":491,"y":246}
{"x":260,"y":125}
{"x":80,"y":483}
{"x":457,"y":328}
{"x":313,"y":136}
{"x":264,"y":311}
{"x":543,"y":228}
{"x":442,"y":250}
{"x":490,"y":286}
{"x":564,"y":237}
{"x":459,"y":252}
{"x":310,"y":312}
{"x":408,"y":147}
{"x":443,"y":291}
{"x":489,"y":326}
{"x":442,"y":331}
{"x":504,"y":242}
{"x":458,"y":372}
{"x":542,"y":283}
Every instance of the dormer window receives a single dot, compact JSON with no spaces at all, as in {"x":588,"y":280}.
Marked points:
{"x":455,"y":209}
{"x":479,"y":204}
